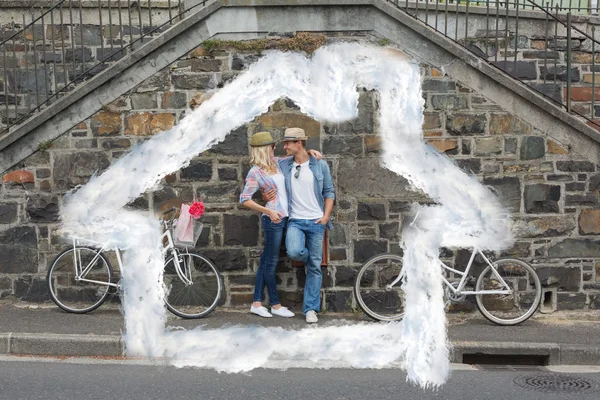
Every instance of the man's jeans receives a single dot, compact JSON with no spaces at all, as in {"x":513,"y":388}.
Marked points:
{"x":269,"y":258}
{"x":304,"y":242}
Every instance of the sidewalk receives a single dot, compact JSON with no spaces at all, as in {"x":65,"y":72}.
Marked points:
{"x":562,"y":338}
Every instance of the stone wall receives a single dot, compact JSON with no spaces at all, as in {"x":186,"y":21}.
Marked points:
{"x":552,"y":192}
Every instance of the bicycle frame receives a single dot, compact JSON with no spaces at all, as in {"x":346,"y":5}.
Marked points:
{"x":81,"y":272}
{"x":463,"y":280}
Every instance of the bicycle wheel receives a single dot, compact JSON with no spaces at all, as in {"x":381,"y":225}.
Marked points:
{"x":74,"y":295}
{"x":371,"y":289}
{"x":198,"y":297}
{"x":515,"y":307}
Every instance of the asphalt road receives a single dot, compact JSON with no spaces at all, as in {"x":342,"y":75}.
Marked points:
{"x":100,"y":379}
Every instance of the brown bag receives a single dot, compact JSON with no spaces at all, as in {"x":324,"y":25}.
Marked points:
{"x":325,"y":259}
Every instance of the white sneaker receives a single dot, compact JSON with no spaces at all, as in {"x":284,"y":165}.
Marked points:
{"x":282,"y":312}
{"x":311,"y":317}
{"x":260,"y":311}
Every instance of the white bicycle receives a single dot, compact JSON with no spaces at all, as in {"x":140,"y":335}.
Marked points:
{"x":81,"y":278}
{"x":507,"y":291}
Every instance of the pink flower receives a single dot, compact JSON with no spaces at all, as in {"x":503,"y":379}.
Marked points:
{"x":197,"y":209}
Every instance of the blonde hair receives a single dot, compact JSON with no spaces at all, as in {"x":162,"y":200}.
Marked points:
{"x":261,"y":157}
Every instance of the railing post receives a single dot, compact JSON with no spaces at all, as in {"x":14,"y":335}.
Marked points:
{"x":569,"y":55}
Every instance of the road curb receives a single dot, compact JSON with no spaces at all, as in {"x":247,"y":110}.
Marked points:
{"x":47,"y":344}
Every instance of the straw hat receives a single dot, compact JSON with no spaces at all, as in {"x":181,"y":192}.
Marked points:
{"x":261,"y":139}
{"x":293,"y":134}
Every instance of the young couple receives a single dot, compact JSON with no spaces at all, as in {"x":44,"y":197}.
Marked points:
{"x":300,"y":197}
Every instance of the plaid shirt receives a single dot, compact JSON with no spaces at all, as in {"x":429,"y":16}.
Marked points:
{"x":257,"y":179}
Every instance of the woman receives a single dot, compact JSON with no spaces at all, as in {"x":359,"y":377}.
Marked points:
{"x":264,"y":176}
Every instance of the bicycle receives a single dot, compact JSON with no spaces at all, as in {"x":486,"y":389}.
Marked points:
{"x":507,"y":291}
{"x":81,"y":278}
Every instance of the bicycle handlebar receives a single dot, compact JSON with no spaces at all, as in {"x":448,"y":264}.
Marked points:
{"x":170,"y":210}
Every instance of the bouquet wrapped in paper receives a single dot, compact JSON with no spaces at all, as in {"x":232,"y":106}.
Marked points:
{"x":188,"y":227}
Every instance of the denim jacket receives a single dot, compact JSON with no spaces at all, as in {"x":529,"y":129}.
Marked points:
{"x":323,"y":182}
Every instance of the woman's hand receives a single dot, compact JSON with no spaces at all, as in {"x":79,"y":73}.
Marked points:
{"x":275,"y":216}
{"x":316,"y":154}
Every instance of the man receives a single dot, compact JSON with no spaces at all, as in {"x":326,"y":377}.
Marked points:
{"x":310,"y":192}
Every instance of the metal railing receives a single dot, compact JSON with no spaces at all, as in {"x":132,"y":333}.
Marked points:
{"x":551,"y":51}
{"x":56,"y":48}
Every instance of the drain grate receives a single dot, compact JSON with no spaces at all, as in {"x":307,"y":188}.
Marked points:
{"x":557,"y":383}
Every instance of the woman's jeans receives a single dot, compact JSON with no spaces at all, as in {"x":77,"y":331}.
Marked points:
{"x":304,"y":242}
{"x":273,"y":234}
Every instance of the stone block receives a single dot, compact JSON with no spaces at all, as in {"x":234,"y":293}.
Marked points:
{"x":195,"y":81}
{"x":109,"y":54}
{"x":228,"y":174}
{"x":241,"y":280}
{"x":533,"y":147}
{"x":466,"y":124}
{"x":337,"y":236}
{"x":589,"y":221}
{"x":438,"y":86}
{"x":580,"y":248}
{"x":548,"y":226}
{"x":449,"y":102}
{"x":8,"y":213}
{"x":161,"y":122}
{"x":594,"y":182}
{"x":198,"y":171}
{"x":31,"y":289}
{"x":575,"y":166}
{"x":469,"y":165}
{"x":371,"y":211}
{"x":106,"y":124}
{"x":488,"y":146}
{"x":541,"y":198}
{"x":449,"y":146}
{"x":521,"y":69}
{"x":365,"y":178}
{"x":373,"y":144}
{"x":174,"y":100}
{"x":227,"y":259}
{"x":241,"y":230}
{"x":345,"y":276}
{"x":389,"y":230}
{"x":343,"y":145}
{"x":508,"y":189}
{"x":566,"y":279}
{"x":338,"y":254}
{"x":587,"y":200}
{"x":338,"y":301}
{"x":206,"y":65}
{"x":18,"y":250}
{"x":235,"y":144}
{"x":160,"y":81}
{"x":111,"y":144}
{"x":91,"y":35}
{"x":42,"y":209}
{"x":559,"y":73}
{"x":79,"y":55}
{"x":241,"y":61}
{"x":431,"y":120}
{"x":57,"y":32}
{"x":18,"y":177}
{"x":72,"y":169}
{"x":367,"y":248}
{"x":571,"y":301}
{"x":556,"y":148}
{"x":537,"y":54}
{"x":242,"y":299}
{"x":551,"y":90}
{"x":29,"y":80}
{"x":144,"y":101}
{"x":510,"y":145}
{"x":583,"y":93}
{"x":502,"y":124}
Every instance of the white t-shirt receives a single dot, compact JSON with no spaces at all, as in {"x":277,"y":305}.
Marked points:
{"x":304,"y":201}
{"x":281,"y":192}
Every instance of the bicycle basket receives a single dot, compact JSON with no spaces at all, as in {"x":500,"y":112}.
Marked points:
{"x":187,"y":241}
